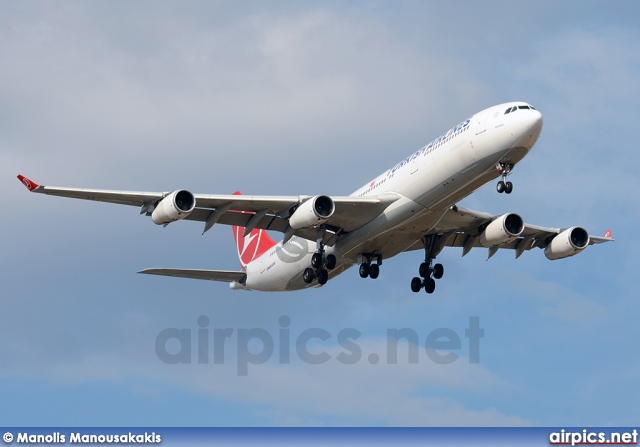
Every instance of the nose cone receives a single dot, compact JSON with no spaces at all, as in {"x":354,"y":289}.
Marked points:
{"x":534,"y":122}
{"x":527,"y":127}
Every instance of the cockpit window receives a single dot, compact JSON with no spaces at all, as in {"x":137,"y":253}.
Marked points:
{"x":514,"y":108}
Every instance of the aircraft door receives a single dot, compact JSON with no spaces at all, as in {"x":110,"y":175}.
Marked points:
{"x":414,"y":165}
{"x":481,"y":122}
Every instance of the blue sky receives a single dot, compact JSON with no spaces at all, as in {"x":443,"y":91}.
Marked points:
{"x":307,"y":98}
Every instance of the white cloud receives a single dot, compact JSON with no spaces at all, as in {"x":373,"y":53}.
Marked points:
{"x":263,"y":84}
{"x":332,"y":393}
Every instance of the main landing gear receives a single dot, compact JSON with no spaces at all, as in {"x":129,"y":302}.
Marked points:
{"x":504,"y":169}
{"x":427,"y":271}
{"x":428,"y":275}
{"x":320,"y":263}
{"x":320,"y":266}
{"x":368,"y":269}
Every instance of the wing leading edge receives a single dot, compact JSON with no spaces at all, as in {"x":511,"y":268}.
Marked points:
{"x":262,"y":212}
{"x":462,"y":227}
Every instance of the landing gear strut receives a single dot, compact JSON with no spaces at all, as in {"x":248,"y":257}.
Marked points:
{"x":503,"y":185}
{"x":427,"y":271}
{"x":368,"y":269}
{"x":320,"y":264}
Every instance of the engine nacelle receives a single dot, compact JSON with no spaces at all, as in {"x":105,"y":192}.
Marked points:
{"x":568,"y":243}
{"x":315,"y":211}
{"x":502,"y":230}
{"x":173,"y":207}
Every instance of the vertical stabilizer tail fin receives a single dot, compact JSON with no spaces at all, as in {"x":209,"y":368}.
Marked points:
{"x":253,"y":245}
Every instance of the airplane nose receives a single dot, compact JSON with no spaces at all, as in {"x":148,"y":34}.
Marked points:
{"x":524,"y":126}
{"x":535,"y":121}
{"x":533,"y":124}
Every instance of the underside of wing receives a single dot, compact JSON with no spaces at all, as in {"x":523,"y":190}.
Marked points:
{"x":263,"y":212}
{"x":100,"y":195}
{"x":465,"y":228}
{"x":210,"y":275}
{"x":349,"y":214}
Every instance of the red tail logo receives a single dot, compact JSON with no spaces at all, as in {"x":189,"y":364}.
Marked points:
{"x":253,"y":245}
{"x":608,"y":234}
{"x":30,"y":184}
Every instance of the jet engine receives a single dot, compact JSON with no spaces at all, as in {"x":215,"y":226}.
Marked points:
{"x":315,"y":211}
{"x":568,"y":243}
{"x":173,"y":207}
{"x":502,"y":230}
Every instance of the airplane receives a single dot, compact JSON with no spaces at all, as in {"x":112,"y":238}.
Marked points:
{"x":412,"y":206}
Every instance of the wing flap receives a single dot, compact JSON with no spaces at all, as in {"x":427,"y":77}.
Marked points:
{"x":275,"y":204}
{"x":241,"y":219}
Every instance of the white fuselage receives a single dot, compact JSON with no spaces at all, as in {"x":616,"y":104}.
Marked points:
{"x":427,"y":183}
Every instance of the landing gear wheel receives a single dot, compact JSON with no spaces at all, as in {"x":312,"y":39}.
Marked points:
{"x":331,"y":262}
{"x":416,"y":284}
{"x":430,"y":285}
{"x":374,"y":271}
{"x":504,"y":169}
{"x":508,"y":187}
{"x":308,"y":275}
{"x":316,"y":260}
{"x":364,"y":270}
{"x":429,"y":271}
{"x":323,"y":277}
{"x":438,"y":271}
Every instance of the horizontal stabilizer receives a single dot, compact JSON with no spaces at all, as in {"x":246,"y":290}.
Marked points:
{"x":211,"y":275}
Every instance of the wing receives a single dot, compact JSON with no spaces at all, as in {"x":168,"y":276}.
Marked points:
{"x":462,"y":227}
{"x":210,"y":275}
{"x":264,"y":212}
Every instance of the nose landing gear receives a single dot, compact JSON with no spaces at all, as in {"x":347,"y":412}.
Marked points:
{"x":504,"y":168}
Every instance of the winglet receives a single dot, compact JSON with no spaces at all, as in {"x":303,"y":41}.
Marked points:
{"x":30,"y":184}
{"x":607,"y":234}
